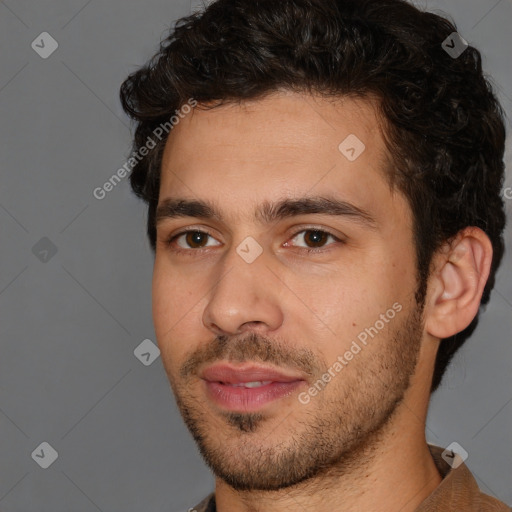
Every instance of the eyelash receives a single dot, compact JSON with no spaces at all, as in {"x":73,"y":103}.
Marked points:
{"x":190,"y":252}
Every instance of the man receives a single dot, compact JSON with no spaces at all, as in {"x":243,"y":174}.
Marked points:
{"x":326,"y":219}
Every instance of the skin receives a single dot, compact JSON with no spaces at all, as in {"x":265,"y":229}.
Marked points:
{"x":358,"y":444}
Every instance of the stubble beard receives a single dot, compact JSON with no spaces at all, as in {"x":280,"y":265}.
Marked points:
{"x":334,"y":434}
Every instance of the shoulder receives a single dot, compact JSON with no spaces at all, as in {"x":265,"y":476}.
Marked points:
{"x":458,"y":490}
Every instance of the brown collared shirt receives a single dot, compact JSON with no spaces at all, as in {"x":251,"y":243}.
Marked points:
{"x":458,"y":492}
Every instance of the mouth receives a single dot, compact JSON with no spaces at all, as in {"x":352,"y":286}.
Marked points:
{"x":248,"y":387}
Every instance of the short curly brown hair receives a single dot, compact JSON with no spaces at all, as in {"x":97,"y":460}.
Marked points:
{"x":444,"y":125}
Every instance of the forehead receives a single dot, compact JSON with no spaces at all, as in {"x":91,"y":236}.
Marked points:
{"x":283,"y":125}
{"x":283,"y":144}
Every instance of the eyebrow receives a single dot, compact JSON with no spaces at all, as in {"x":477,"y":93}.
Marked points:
{"x":268,"y":212}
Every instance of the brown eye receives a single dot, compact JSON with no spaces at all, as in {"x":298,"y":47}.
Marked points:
{"x":191,"y":239}
{"x":313,"y":238}
{"x":195,"y":239}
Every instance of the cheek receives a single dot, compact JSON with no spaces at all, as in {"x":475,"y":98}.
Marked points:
{"x":329,"y":308}
{"x":172,"y":298}
{"x":333,"y":309}
{"x":169,"y":319}
{"x":161,"y":294}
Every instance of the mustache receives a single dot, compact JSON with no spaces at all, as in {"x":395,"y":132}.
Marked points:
{"x":252,"y":347}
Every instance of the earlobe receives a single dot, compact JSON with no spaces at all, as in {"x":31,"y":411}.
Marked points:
{"x":457,"y":284}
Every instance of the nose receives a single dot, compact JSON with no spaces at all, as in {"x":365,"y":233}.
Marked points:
{"x":246,"y":297}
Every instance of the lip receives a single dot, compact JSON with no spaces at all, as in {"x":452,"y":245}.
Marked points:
{"x":223,"y":385}
{"x":245,"y":373}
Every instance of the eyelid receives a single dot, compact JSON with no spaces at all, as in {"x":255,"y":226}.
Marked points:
{"x":321,"y":229}
{"x":174,"y":236}
{"x":297,"y":231}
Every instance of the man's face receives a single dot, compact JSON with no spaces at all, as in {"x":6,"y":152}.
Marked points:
{"x":289,"y":335}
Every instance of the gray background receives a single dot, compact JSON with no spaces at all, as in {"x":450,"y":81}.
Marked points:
{"x":70,"y":321}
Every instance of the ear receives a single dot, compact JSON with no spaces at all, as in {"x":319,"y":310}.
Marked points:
{"x":461,"y":269}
